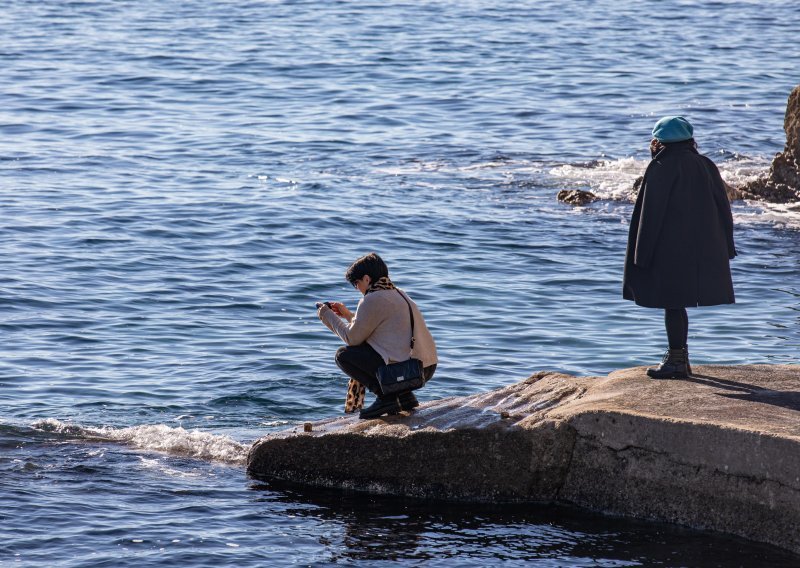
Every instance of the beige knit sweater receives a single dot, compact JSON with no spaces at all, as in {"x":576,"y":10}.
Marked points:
{"x":382,"y":320}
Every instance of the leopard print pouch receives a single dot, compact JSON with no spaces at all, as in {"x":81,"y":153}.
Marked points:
{"x":355,"y":396}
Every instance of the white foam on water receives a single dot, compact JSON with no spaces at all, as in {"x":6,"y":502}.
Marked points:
{"x":494,"y":164}
{"x":412,"y":168}
{"x":777,"y":215}
{"x":442,"y":167}
{"x":161,"y":467}
{"x":613,"y":179}
{"x":608,"y":179}
{"x":742,"y":170}
{"x":276,"y":423}
{"x":158,"y":437}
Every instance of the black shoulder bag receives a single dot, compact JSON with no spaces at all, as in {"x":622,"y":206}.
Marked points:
{"x":405,"y":375}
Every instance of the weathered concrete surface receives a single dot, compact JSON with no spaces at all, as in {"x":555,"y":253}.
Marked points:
{"x":718,"y":451}
{"x":782,"y":184}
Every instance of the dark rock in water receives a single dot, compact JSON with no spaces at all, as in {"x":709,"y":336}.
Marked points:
{"x":782,"y":184}
{"x":576,"y":196}
{"x":733,"y":193}
{"x":719,"y":451}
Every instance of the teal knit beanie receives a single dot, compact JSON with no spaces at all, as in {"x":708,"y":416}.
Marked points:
{"x":672,"y":129}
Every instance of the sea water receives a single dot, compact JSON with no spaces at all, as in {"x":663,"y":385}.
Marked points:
{"x":183,"y":180}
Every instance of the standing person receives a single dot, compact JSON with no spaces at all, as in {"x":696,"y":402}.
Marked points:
{"x":681,"y":239}
{"x":378,"y":333}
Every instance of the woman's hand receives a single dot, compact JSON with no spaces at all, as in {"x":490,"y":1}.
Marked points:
{"x":341,"y":310}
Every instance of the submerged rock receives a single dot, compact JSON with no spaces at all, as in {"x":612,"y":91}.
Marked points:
{"x":718,"y":451}
{"x":576,"y":196}
{"x":782,"y":184}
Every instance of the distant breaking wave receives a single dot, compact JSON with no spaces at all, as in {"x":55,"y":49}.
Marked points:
{"x":159,"y":438}
{"x":610,"y":180}
{"x":613,"y":179}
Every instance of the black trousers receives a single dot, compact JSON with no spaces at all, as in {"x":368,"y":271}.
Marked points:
{"x":676,"y":320}
{"x":361,"y":362}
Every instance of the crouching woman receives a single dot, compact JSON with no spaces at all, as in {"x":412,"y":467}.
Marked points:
{"x":377,"y":334}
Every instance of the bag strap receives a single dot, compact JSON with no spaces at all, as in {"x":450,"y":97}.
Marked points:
{"x":410,"y":313}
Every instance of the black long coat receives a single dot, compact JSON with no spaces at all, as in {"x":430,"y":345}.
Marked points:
{"x":681,"y":235}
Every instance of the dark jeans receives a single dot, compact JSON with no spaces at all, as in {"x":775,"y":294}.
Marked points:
{"x":361,"y":362}
{"x":676,"y":320}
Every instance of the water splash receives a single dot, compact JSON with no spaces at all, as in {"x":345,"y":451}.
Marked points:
{"x":613,"y":180}
{"x":776,"y":215}
{"x":742,"y":170}
{"x":608,"y":179}
{"x":158,"y":437}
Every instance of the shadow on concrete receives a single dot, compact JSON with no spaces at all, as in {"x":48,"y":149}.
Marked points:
{"x":748,"y":392}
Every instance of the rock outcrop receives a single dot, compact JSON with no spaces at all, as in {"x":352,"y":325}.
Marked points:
{"x":782,"y":184}
{"x":718,"y":451}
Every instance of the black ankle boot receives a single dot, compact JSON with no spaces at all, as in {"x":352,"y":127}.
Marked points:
{"x":389,"y":404}
{"x":408,"y":401}
{"x":674,"y":365}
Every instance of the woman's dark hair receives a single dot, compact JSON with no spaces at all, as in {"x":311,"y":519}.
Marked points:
{"x":370,"y":264}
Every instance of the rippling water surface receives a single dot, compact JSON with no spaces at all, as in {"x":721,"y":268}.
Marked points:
{"x":181,"y":181}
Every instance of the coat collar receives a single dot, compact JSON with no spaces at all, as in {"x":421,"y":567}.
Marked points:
{"x":677,"y":147}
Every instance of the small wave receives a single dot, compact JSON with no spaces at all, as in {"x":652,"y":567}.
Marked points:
{"x":741,"y":170}
{"x":613,"y":179}
{"x":158,"y":437}
{"x":159,"y":465}
{"x":777,"y":215}
{"x":608,"y":179}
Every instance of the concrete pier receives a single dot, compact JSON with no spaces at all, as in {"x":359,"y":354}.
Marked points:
{"x":717,"y":451}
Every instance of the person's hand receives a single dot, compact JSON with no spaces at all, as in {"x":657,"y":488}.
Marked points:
{"x":320,"y":307}
{"x":341,"y":310}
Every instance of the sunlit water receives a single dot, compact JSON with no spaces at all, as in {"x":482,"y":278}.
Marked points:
{"x":181,"y":181}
